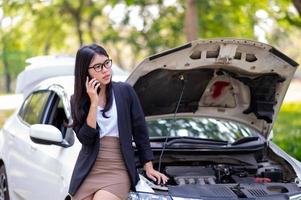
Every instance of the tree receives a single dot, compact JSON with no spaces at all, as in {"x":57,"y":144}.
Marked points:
{"x":64,"y":25}
{"x":13,"y":51}
{"x":191,"y":20}
{"x":297,"y":4}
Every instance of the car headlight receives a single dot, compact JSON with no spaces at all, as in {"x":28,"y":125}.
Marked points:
{"x":295,"y":197}
{"x":152,"y":196}
{"x":147,"y":196}
{"x":183,"y":198}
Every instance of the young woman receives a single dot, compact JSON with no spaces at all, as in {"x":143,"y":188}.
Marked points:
{"x":106,"y":116}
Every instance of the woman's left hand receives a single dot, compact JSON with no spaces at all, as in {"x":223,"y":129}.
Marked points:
{"x":154,"y":174}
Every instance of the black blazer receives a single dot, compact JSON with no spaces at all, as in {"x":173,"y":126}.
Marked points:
{"x":131,"y":124}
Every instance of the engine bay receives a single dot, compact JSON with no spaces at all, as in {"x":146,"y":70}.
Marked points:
{"x":223,"y":174}
{"x":228,"y":181}
{"x":261,"y":178}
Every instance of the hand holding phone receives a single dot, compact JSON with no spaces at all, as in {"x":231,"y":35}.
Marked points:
{"x":93,"y":89}
{"x":97,"y":82}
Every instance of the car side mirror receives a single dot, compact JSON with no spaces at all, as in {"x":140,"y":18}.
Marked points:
{"x":45,"y":134}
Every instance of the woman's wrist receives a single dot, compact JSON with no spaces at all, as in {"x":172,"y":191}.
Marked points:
{"x":148,"y":165}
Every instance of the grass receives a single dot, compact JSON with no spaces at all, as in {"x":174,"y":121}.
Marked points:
{"x":287,"y":129}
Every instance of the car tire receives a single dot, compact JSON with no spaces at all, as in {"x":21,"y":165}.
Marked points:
{"x":4,"y":194}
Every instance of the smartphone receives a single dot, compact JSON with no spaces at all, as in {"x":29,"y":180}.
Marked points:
{"x":98,"y":89}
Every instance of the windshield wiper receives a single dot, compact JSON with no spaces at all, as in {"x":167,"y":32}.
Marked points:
{"x":193,"y":140}
{"x":245,"y":140}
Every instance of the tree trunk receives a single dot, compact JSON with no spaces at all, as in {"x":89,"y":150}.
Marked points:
{"x":6,"y":70}
{"x":90,"y":22}
{"x":7,"y":75}
{"x":46,"y":48}
{"x":90,"y":29}
{"x":7,"y":82}
{"x":78,"y":29}
{"x":191,"y":21}
{"x":297,"y":4}
{"x":76,"y":14}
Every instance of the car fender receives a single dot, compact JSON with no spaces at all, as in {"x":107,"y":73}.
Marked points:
{"x":295,"y":164}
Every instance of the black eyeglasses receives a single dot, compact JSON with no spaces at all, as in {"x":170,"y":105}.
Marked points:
{"x":99,"y":66}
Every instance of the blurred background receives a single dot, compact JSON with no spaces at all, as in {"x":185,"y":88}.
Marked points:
{"x":132,"y":29}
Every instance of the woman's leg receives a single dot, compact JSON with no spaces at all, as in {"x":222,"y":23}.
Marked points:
{"x":105,"y":195}
{"x":87,"y":198}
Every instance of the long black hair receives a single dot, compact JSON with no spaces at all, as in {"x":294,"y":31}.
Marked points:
{"x":80,"y":101}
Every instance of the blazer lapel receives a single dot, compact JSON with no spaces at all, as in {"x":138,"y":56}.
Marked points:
{"x":118,"y":101}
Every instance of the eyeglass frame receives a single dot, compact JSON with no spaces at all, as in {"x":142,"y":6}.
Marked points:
{"x":102,"y":65}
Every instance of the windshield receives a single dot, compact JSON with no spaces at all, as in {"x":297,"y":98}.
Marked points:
{"x":205,"y":128}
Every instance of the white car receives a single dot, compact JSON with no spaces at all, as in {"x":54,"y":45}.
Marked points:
{"x":210,"y":106}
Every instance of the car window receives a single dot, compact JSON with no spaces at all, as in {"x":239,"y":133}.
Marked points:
{"x":207,"y":128}
{"x":33,"y":107}
{"x":56,"y":115}
{"x":24,"y":107}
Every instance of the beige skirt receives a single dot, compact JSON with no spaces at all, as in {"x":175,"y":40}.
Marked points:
{"x":109,"y":172}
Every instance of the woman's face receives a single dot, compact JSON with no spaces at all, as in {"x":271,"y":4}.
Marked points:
{"x":102,"y":74}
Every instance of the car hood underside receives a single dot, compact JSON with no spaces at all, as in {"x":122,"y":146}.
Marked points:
{"x":232,"y":79}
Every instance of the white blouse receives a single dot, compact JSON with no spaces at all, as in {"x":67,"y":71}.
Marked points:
{"x":108,"y":126}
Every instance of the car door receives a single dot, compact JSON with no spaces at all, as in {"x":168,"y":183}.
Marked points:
{"x":52,"y":158}
{"x":38,"y":168}
{"x":20,"y":158}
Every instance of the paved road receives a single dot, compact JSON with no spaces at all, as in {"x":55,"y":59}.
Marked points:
{"x":10,"y":102}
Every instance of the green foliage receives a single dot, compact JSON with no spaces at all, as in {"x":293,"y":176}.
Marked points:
{"x":61,"y":26}
{"x":228,"y":18}
{"x":13,"y":50}
{"x":287,"y":129}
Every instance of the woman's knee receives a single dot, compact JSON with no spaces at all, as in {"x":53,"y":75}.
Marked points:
{"x":103,"y":194}
{"x":87,"y":198}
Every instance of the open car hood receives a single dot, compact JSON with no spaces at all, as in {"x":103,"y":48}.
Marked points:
{"x":233,"y":79}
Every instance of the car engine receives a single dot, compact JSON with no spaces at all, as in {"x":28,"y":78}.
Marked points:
{"x":265,"y":179}
{"x":221,"y":174}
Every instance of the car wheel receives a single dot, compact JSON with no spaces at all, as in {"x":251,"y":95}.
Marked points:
{"x":3,"y":184}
